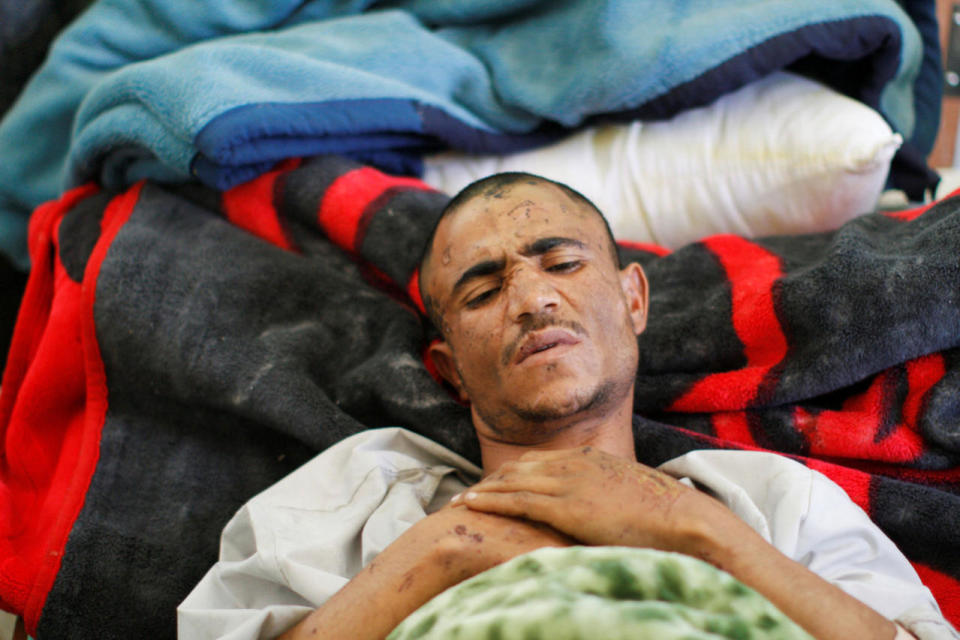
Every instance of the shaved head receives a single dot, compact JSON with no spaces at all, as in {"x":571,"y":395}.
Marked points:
{"x":494,"y":187}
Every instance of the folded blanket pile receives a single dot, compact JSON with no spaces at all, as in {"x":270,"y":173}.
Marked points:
{"x":180,"y":349}
{"x":385,"y":82}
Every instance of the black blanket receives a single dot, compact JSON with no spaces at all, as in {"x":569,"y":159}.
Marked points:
{"x":179,"y":349}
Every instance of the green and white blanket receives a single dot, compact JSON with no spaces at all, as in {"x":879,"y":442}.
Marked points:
{"x":603,"y":593}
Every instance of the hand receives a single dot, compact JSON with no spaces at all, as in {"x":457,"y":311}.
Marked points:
{"x":600,"y":499}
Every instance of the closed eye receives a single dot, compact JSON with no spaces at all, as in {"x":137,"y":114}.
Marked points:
{"x":478,"y":300}
{"x":564,"y":267}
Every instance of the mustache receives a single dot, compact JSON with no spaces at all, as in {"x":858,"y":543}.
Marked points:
{"x":536,"y":323}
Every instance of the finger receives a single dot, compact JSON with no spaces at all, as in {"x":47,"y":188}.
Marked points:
{"x":516,"y":504}
{"x":514,"y":482}
{"x":515,"y":467}
{"x":583,"y":461}
{"x":557,"y":466}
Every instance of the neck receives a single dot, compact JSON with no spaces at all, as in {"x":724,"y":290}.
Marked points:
{"x":612,"y":433}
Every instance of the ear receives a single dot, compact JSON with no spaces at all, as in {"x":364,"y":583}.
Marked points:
{"x":442,"y":356}
{"x":634,"y":283}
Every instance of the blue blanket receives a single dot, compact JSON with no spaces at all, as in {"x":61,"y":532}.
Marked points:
{"x":177,"y":90}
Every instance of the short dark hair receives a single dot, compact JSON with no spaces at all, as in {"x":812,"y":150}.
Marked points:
{"x":489,"y":187}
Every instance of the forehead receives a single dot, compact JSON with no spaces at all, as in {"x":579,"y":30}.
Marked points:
{"x":511,"y":216}
{"x":506,"y":220}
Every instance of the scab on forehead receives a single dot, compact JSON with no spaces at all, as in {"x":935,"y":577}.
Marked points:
{"x":525,"y":205}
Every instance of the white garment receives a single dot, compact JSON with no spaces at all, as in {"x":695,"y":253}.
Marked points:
{"x":295,"y":544}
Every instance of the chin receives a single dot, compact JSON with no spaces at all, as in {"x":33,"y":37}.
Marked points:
{"x":563,"y":404}
{"x":526,"y":416}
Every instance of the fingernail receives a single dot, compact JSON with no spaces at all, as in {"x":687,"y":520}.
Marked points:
{"x":470,"y":495}
{"x":454,"y":498}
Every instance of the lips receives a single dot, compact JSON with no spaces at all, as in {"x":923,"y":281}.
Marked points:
{"x":544,"y":340}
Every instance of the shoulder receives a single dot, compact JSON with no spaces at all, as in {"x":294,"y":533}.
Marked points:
{"x":758,"y":486}
{"x":782,"y":499}
{"x":812,"y":520}
{"x":374,"y":458}
{"x":292,"y":546}
{"x":377,"y":470}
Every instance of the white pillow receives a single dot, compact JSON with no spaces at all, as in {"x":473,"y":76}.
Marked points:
{"x":784,"y":154}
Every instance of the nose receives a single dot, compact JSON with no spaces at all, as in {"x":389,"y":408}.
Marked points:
{"x":530,"y":293}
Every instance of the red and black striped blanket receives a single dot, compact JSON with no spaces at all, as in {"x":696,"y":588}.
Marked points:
{"x":179,"y":349}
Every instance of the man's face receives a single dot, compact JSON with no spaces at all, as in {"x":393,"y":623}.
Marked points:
{"x":539,"y":325}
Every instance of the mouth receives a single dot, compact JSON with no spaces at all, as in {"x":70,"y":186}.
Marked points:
{"x":541,"y":341}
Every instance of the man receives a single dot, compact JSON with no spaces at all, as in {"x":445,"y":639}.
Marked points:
{"x":539,"y":327}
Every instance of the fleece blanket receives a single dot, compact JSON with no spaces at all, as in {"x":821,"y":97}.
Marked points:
{"x":181,"y":348}
{"x":614,"y":593}
{"x":385,"y":82}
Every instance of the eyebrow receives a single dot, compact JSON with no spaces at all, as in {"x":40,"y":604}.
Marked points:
{"x":543,"y":245}
{"x":536,"y":248}
{"x":479,"y":270}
